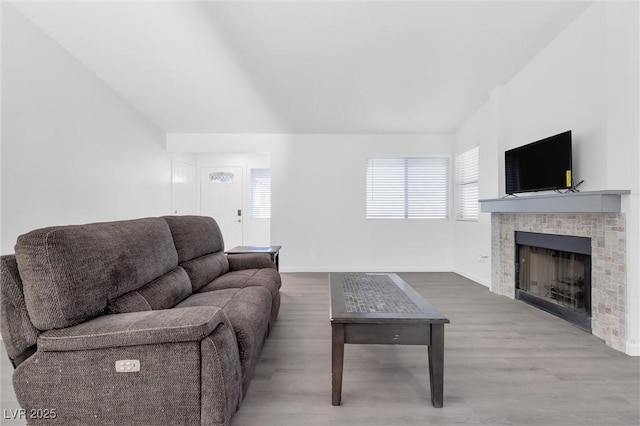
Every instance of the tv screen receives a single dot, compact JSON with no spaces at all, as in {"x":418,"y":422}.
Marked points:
{"x":539,"y":166}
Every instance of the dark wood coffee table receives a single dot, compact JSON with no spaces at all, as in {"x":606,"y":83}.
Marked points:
{"x":371,"y":308}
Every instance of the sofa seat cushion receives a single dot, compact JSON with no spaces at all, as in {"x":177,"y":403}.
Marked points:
{"x":248,"y":312}
{"x":218,"y":299}
{"x":267,"y":277}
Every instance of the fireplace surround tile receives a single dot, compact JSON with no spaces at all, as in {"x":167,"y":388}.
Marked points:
{"x":608,"y":271}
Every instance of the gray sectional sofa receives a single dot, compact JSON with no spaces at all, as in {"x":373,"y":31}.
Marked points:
{"x":143,"y":321}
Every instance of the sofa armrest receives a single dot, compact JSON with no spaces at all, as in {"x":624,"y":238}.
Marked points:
{"x":189,"y":370}
{"x":136,"y":328}
{"x":241,"y":261}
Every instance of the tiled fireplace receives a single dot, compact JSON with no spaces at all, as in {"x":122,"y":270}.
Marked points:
{"x":607,"y":233}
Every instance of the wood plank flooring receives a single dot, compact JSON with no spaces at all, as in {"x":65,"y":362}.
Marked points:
{"x":506,"y":363}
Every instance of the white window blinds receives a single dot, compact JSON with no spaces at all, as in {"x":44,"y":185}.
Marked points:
{"x":467,"y":185}
{"x":408,"y":188}
{"x":260,"y":193}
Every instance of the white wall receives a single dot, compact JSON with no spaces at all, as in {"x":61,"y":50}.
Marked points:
{"x":73,"y":151}
{"x":564,"y":88}
{"x":473,"y":239}
{"x":585,"y":80}
{"x":318,"y":201}
{"x":623,"y":146}
{"x":183,"y":184}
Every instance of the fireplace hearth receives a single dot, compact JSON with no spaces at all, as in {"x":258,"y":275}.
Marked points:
{"x":553,"y":273}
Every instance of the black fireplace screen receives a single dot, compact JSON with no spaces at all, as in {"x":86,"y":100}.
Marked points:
{"x":553,"y":273}
{"x":556,"y":276}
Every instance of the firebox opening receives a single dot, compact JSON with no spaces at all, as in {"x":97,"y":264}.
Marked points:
{"x":553,"y":273}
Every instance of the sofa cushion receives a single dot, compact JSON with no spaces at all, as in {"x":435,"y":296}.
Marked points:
{"x":205,"y":269}
{"x":268,"y":278}
{"x":69,"y":273}
{"x":248,"y":312}
{"x":162,"y":293}
{"x":218,"y":299}
{"x":18,"y":333}
{"x":195,"y":236}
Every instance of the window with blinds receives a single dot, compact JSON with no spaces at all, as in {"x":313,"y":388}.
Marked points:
{"x":260,"y":193}
{"x":467,"y":185}
{"x":408,"y":188}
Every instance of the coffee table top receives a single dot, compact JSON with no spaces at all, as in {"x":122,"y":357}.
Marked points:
{"x":378,"y":298}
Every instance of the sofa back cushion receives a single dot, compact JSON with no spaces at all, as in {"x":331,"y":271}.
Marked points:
{"x":162,"y":293}
{"x":195,"y":236}
{"x":200,"y":246}
{"x":18,"y":333}
{"x":205,"y":269}
{"x":70,"y":273}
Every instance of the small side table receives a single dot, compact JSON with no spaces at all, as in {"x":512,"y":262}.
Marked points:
{"x":274,"y":251}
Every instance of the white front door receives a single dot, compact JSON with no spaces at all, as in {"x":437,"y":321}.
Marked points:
{"x":221,"y":198}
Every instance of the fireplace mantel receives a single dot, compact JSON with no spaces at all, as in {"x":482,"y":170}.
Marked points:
{"x":573,"y":202}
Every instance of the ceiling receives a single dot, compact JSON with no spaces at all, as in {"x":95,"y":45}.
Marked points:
{"x":367,"y":67}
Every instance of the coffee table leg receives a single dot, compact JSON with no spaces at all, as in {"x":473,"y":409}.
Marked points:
{"x":337,"y":361}
{"x":436,"y":364}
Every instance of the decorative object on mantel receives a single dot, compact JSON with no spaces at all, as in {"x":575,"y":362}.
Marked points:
{"x":608,"y":201}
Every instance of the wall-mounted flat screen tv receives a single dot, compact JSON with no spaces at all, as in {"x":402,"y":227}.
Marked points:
{"x":539,"y":166}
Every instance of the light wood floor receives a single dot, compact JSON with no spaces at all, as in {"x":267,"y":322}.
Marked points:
{"x":505,"y":363}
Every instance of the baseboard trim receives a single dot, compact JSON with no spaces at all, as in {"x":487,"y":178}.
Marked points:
{"x":486,"y":283}
{"x":360,"y":269}
{"x":632,"y":349}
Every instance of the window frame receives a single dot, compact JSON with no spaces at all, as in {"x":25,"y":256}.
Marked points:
{"x":463,"y":183}
{"x":259,"y":211}
{"x":411,"y":177}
